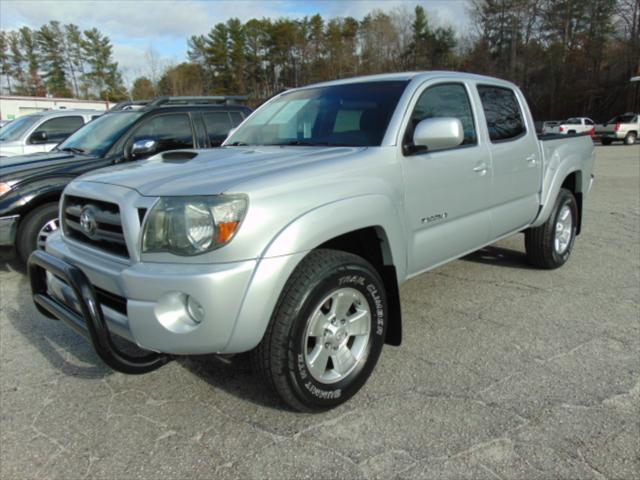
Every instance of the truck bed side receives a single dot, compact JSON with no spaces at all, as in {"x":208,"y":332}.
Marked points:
{"x":563,"y":157}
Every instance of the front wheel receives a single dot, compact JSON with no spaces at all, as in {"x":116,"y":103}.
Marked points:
{"x":549,"y":245}
{"x":326,"y":333}
{"x":35,"y":229}
{"x":630,"y":139}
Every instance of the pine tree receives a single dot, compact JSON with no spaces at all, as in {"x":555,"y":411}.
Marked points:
{"x":51,"y":43}
{"x":74,"y":58}
{"x":5,"y":66}
{"x":32,"y":83}
{"x":103,"y":75}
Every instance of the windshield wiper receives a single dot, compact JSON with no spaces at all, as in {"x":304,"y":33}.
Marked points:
{"x":238,"y":144}
{"x":304,"y":143}
{"x":72,"y":150}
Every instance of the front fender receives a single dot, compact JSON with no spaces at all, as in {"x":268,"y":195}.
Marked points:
{"x":290,"y":246}
{"x":21,"y":199}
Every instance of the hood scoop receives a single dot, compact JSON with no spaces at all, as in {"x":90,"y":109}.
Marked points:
{"x":178,"y":156}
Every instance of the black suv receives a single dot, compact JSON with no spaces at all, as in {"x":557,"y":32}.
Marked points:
{"x":31,"y":185}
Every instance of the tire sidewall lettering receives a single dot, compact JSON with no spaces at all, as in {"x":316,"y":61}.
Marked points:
{"x":365,"y":283}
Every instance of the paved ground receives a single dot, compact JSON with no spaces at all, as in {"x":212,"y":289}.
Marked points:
{"x":506,"y":372}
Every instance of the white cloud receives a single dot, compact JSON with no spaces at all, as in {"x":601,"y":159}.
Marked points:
{"x":165,"y":25}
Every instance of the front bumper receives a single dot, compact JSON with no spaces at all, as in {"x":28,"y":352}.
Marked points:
{"x":8,"y":229}
{"x":146,"y":303}
{"x":88,"y":321}
{"x":609,"y":136}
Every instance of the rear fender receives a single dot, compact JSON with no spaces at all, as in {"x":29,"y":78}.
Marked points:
{"x":559,"y":166}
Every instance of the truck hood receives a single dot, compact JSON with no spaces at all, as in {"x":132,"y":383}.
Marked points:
{"x":21,"y":166}
{"x":211,"y":171}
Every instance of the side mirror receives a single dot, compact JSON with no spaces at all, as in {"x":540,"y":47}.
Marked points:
{"x":140,"y":148}
{"x":38,"y":136}
{"x":438,"y":133}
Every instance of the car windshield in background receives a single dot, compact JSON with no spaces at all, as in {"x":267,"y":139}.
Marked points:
{"x":97,"y":136}
{"x":355,"y":114}
{"x":16,"y":128}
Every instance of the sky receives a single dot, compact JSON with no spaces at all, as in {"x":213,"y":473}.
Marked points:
{"x":164,"y":26}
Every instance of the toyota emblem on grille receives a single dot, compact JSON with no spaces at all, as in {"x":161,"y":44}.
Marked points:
{"x":88,"y":223}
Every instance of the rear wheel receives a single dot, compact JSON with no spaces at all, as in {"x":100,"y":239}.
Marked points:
{"x":631,"y":138}
{"x":35,"y":229}
{"x":326,"y":333}
{"x":549,"y":245}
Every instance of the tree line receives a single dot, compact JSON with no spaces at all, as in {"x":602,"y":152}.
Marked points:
{"x":61,"y":61}
{"x":571,"y":57}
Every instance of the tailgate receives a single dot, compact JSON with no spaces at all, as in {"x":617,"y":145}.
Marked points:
{"x":605,"y":128}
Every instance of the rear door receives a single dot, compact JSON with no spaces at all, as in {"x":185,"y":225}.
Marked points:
{"x":447,"y":192}
{"x":217,"y":124}
{"x":515,"y":156}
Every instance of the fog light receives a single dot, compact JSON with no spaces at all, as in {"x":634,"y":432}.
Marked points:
{"x":196,"y":311}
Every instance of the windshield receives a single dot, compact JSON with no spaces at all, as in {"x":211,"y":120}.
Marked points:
{"x":97,"y":136}
{"x":342,"y":115}
{"x":16,"y":128}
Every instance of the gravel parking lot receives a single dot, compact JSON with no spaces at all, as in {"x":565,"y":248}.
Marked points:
{"x":505,"y":372}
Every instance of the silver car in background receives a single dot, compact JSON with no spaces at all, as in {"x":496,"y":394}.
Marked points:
{"x":40,"y":132}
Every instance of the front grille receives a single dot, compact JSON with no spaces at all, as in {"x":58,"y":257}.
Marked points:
{"x":106,"y":232}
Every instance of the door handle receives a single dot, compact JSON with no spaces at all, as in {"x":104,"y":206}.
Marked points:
{"x":481,"y":168}
{"x":531,"y":159}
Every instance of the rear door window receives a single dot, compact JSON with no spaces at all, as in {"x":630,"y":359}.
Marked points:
{"x":236,"y":118}
{"x":502,"y":113}
{"x":218,"y":125}
{"x":58,"y":129}
{"x":171,"y":131}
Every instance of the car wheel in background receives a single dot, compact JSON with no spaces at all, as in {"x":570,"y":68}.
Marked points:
{"x":606,"y":141}
{"x":631,"y":138}
{"x":35,"y":229}
{"x":326,"y":333}
{"x":549,"y":245}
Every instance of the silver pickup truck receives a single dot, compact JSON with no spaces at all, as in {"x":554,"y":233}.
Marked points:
{"x":291,"y":241}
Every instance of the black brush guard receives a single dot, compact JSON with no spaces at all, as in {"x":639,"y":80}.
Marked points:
{"x":90,"y":324}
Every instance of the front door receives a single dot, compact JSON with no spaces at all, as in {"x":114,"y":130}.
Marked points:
{"x":447,"y":192}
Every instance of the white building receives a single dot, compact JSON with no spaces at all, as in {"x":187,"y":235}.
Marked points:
{"x":12,"y":107}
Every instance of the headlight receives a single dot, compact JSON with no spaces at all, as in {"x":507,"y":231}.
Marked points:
{"x":4,"y":188}
{"x":193,"y":225}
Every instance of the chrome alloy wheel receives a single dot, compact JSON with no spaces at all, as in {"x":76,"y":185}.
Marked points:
{"x":49,"y":227}
{"x":337,"y":335}
{"x":564,"y":230}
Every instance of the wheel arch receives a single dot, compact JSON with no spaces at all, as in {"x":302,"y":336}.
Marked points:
{"x":353,"y":225}
{"x":573,"y":183}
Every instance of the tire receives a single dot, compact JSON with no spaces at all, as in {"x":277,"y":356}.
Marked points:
{"x":548,"y":246}
{"x":631,"y":138}
{"x":325,"y":280}
{"x":571,"y":132}
{"x":606,"y":141}
{"x":31,"y":228}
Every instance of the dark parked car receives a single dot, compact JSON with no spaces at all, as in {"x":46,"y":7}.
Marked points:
{"x":31,"y":185}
